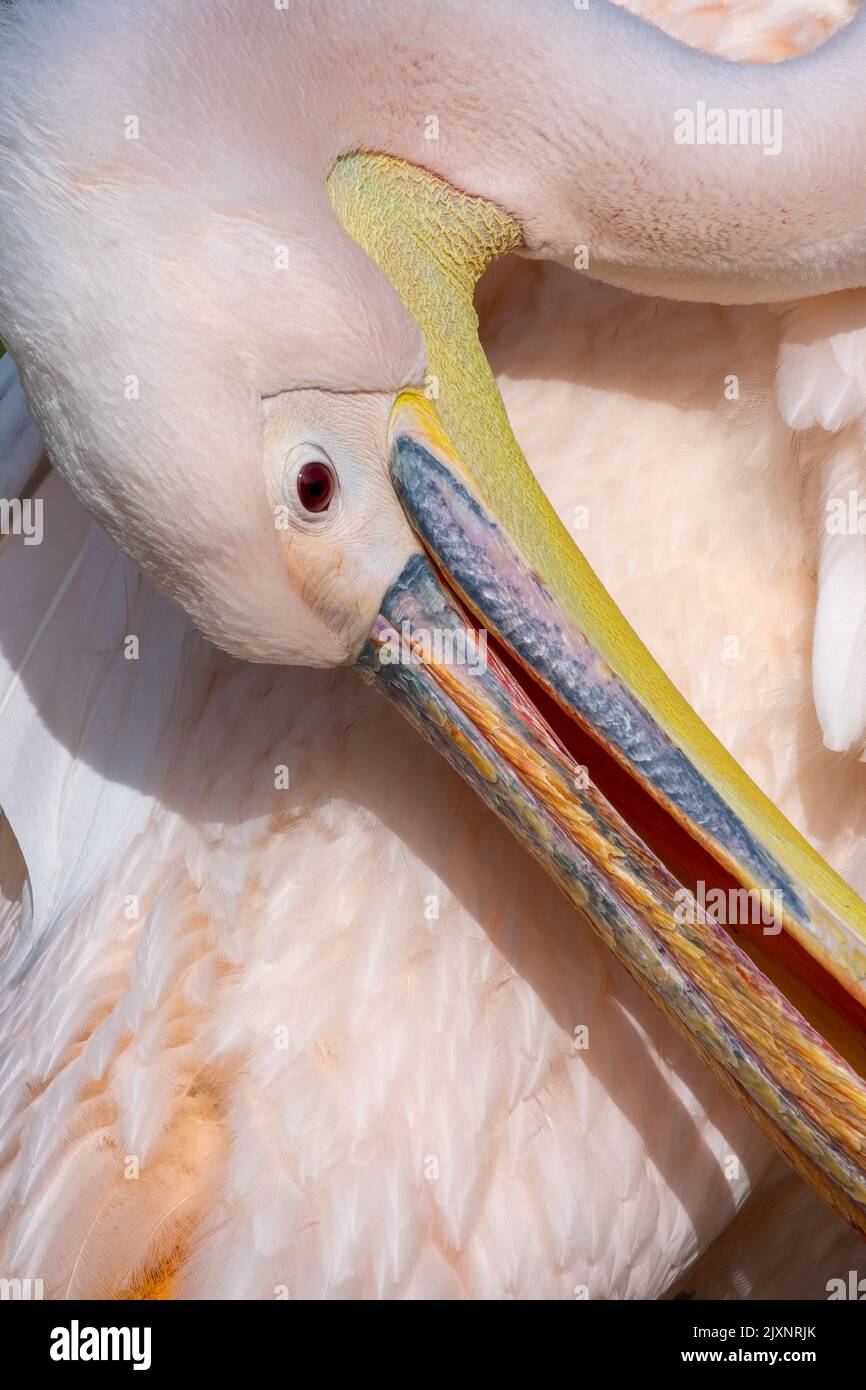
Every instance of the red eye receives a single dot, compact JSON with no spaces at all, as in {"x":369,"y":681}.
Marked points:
{"x":316,"y":486}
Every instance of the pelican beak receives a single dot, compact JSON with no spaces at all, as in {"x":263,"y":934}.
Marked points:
{"x":500,"y":644}
{"x":727,"y":932}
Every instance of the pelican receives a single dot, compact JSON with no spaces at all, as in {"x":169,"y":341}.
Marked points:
{"x":279,"y":1024}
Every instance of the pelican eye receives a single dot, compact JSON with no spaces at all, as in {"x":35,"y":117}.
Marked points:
{"x":316,"y":486}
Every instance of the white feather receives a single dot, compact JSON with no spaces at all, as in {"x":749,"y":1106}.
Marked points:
{"x":839,"y":646}
{"x":21,"y":446}
{"x":82,"y":724}
{"x":822,"y":381}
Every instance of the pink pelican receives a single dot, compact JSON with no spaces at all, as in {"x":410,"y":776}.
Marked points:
{"x":278,"y":1023}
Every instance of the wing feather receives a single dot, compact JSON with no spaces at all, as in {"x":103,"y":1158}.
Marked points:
{"x":822,"y":382}
{"x":21,"y":447}
{"x":89,"y":661}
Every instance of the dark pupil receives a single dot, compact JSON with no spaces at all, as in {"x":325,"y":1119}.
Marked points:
{"x":315,"y":487}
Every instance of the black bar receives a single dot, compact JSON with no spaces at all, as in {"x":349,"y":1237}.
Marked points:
{"x":246,"y":1337}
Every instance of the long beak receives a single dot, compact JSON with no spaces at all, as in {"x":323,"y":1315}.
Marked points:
{"x":503,"y":648}
{"x":623,"y":820}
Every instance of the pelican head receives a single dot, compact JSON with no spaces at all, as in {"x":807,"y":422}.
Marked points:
{"x":263,"y":375}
